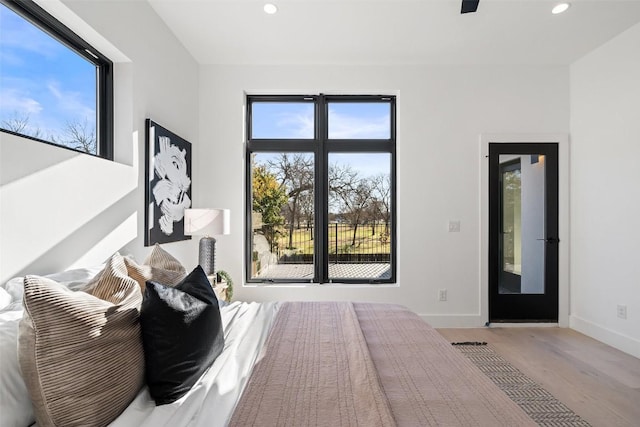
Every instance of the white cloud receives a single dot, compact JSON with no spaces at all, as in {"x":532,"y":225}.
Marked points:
{"x":14,"y":101}
{"x":348,"y":127}
{"x":71,"y":103}
{"x":9,"y":58}
{"x":296,"y":125}
{"x":17,"y":34}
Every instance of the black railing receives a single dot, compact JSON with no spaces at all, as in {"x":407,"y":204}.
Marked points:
{"x":337,"y":259}
{"x":347,"y":243}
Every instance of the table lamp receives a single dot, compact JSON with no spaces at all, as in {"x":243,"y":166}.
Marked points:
{"x":207,"y":223}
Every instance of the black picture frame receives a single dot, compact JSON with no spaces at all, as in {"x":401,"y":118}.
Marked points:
{"x":167,"y":184}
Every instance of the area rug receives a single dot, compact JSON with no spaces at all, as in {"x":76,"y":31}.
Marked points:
{"x":537,"y":402}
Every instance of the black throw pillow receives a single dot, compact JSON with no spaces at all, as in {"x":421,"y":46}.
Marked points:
{"x":181,"y":333}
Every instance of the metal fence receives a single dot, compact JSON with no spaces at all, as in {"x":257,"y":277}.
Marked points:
{"x":347,"y":243}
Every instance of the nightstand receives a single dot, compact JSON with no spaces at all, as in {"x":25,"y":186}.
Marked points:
{"x":220,"y":288}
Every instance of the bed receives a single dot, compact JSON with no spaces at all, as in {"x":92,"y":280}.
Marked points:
{"x":298,"y":364}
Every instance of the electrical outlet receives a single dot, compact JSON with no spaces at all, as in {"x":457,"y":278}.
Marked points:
{"x":442,"y":295}
{"x":454,"y":226}
{"x":622,"y":311}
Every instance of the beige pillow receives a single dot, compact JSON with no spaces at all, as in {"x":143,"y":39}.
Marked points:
{"x":81,"y":355}
{"x":160,"y":266}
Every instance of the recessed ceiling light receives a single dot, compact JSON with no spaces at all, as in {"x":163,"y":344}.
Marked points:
{"x":270,"y":8}
{"x":559,"y":8}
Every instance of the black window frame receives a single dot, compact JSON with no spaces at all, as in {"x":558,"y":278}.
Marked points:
{"x":321,"y":146}
{"x":40,"y":18}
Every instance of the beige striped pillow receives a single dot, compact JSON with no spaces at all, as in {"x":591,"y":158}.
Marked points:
{"x":160,"y":266}
{"x":81,"y":355}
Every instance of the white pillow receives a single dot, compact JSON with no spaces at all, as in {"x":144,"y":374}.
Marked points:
{"x":15,"y":404}
{"x":5,"y":298}
{"x":74,"y":279}
{"x":14,"y":288}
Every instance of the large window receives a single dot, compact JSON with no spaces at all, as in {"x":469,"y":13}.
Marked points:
{"x":321,"y":189}
{"x":54,"y":87}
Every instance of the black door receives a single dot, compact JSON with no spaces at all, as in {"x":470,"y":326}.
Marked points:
{"x":523,"y":232}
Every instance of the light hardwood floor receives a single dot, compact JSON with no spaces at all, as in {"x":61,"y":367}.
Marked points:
{"x":598,"y":382}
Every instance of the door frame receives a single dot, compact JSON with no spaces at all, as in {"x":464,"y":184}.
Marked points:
{"x":525,"y":307}
{"x":563,"y":215}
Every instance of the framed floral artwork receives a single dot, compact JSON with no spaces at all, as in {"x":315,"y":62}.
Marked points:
{"x":168,"y":185}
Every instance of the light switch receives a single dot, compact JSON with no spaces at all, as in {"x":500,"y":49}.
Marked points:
{"x":454,"y":226}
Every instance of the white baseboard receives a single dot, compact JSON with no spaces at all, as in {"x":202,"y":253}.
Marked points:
{"x":474,"y":321}
{"x":454,"y":320}
{"x":523,"y":325}
{"x":614,"y":339}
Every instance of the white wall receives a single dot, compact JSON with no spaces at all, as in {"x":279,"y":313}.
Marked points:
{"x":441,"y":113}
{"x":60,"y":209}
{"x":605,"y":197}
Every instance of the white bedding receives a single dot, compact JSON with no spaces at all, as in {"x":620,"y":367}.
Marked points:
{"x":212,"y":400}
{"x":15,"y":406}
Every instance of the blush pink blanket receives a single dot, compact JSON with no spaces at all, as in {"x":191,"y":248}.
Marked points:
{"x":360,"y":364}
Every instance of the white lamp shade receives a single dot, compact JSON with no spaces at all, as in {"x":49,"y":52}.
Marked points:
{"x":207,"y":222}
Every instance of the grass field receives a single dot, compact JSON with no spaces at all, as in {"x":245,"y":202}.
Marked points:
{"x":366,"y":242}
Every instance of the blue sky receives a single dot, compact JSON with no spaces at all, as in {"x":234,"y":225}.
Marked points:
{"x":359,"y":120}
{"x":42,"y":79}
{"x":346,"y":120}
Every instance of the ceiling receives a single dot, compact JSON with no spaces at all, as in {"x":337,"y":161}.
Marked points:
{"x":393,"y":31}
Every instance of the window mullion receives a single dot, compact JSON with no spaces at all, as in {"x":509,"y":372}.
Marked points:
{"x":104,"y":117}
{"x":321,"y":193}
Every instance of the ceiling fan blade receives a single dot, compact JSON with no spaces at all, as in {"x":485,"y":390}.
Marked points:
{"x":469,"y":6}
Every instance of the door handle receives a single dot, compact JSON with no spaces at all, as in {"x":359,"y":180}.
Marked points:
{"x":550,"y":240}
